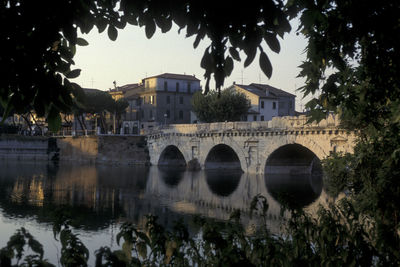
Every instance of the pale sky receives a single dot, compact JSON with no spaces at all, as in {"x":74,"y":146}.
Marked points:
{"x":133,"y":57}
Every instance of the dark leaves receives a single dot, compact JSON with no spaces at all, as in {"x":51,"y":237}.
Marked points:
{"x":112,"y":33}
{"x":234,"y":53}
{"x":272,"y":42}
{"x":81,"y":42}
{"x":73,"y":74}
{"x":265,"y":64}
{"x":150,"y":28}
{"x":251,"y":54}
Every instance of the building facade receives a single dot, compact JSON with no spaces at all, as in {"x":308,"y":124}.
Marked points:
{"x":162,"y":99}
{"x":266,"y":101}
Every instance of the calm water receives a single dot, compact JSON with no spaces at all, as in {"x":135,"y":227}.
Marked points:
{"x":100,"y":198}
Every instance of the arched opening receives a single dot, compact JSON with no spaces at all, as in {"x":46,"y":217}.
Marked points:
{"x":222,"y":157}
{"x":223,"y":183}
{"x":171,"y":156}
{"x":293,"y":159}
{"x":293,"y":176}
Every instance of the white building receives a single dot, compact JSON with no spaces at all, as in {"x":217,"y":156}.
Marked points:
{"x":266,"y":101}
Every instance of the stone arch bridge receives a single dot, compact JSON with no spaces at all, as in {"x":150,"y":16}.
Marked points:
{"x":282,"y":145}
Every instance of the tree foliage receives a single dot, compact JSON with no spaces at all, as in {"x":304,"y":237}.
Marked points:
{"x":40,"y":39}
{"x":353,"y":62}
{"x":228,"y":105}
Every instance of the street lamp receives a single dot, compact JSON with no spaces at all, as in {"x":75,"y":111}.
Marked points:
{"x":165,"y":118}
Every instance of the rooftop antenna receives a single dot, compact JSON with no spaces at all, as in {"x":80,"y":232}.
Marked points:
{"x":92,"y":81}
{"x":242,"y":77}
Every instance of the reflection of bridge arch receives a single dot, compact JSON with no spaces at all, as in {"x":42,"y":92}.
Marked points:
{"x":171,"y":156}
{"x":222,"y":156}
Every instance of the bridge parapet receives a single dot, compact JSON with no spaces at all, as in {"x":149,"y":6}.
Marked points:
{"x":277,"y":123}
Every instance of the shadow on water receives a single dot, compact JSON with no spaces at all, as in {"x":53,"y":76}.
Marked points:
{"x":223,"y":183}
{"x":294,"y":191}
{"x":171,"y":176}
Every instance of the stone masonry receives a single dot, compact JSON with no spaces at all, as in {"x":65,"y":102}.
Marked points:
{"x":253,"y":142}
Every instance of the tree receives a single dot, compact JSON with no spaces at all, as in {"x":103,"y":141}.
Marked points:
{"x":228,"y":105}
{"x":353,"y":59}
{"x":119,"y":109}
{"x":98,"y":102}
{"x":40,"y":40}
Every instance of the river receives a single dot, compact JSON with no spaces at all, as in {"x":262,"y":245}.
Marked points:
{"x":100,"y":198}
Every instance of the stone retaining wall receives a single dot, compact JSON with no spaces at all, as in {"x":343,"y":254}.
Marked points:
{"x":127,"y":150}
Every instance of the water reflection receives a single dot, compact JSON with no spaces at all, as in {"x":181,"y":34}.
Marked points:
{"x":295,"y":191}
{"x":171,"y":176}
{"x":223,"y":183}
{"x":99,"y":197}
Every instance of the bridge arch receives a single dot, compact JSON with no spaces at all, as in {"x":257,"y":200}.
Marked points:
{"x":293,"y":159}
{"x":222,"y":156}
{"x":171,"y":156}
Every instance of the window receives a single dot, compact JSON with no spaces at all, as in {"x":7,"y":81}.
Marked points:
{"x":165,"y":86}
{"x":189,"y":88}
{"x":273,"y":105}
{"x":181,"y":100}
{"x":167,"y":112}
{"x":151,"y":114}
{"x":262,"y":118}
{"x":255,"y":118}
{"x":142,"y":113}
{"x":147,"y":84}
{"x":152,"y":99}
{"x":180,"y":114}
{"x":262,"y":104}
{"x":168,"y":99}
{"x":177,"y":87}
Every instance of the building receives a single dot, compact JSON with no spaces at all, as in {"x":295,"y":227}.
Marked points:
{"x":266,"y":101}
{"x":123,"y":91}
{"x":161,"y":99}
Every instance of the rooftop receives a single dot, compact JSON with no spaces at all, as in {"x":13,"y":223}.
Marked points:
{"x":175,"y":76}
{"x":125,"y":88}
{"x":262,"y":89}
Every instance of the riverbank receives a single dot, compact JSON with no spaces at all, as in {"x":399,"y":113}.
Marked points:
{"x":114,"y":150}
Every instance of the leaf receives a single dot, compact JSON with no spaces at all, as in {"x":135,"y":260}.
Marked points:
{"x":251,"y":54}
{"x":228,"y":66}
{"x":142,"y":249}
{"x":234,"y":53}
{"x":81,"y":42}
{"x":101,"y":24}
{"x":206,"y":61}
{"x":127,"y":249}
{"x":272,"y":42}
{"x":73,"y":74}
{"x":150,"y":28}
{"x":199,"y":37}
{"x":265,"y":64}
{"x":112,"y":33}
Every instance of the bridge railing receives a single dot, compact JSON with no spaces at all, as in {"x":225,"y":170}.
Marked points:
{"x":289,"y":122}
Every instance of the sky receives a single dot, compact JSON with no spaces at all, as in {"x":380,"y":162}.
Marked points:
{"x":133,"y":57}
